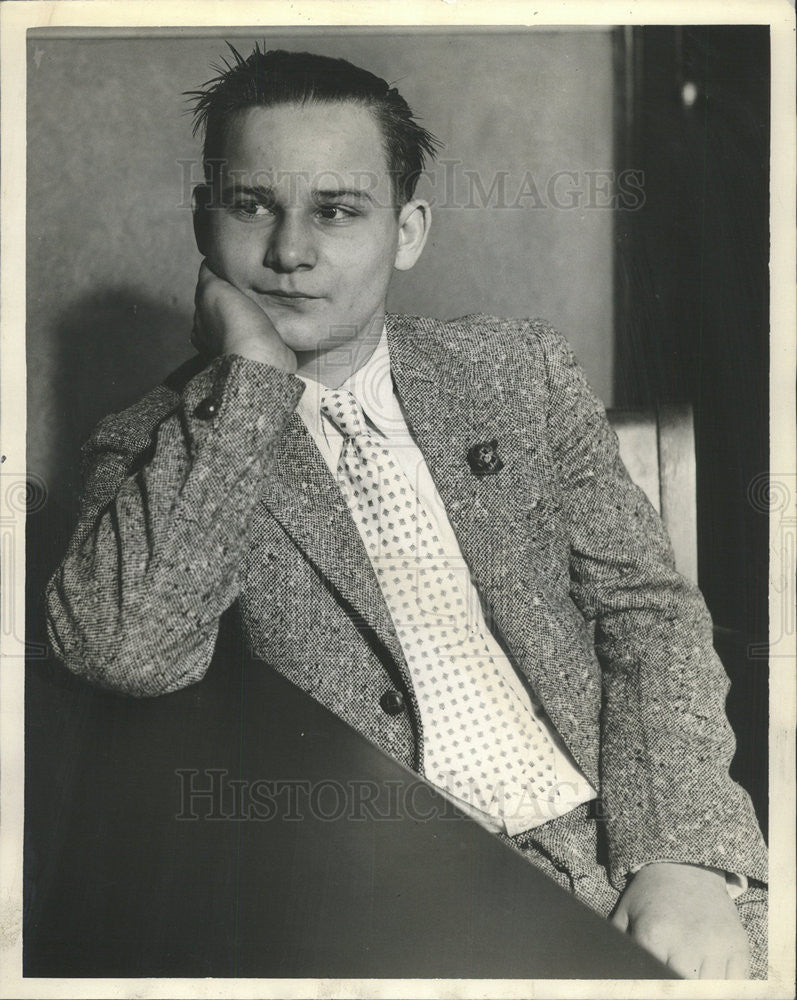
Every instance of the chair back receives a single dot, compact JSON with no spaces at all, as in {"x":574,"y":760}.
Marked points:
{"x":658,"y":449}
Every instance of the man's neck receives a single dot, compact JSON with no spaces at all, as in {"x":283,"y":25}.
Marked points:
{"x":333,"y":365}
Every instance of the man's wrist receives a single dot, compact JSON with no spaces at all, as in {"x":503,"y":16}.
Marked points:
{"x":735,"y":884}
{"x":283,"y":360}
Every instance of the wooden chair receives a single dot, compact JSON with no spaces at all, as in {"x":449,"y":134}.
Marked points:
{"x":658,"y":449}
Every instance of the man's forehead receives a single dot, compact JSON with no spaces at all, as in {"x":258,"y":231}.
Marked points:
{"x":341,"y":137}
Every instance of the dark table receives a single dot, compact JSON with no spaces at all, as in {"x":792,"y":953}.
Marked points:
{"x":349,"y":866}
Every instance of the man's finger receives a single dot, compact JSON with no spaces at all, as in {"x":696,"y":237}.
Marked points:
{"x":658,"y":949}
{"x":620,"y":918}
{"x":204,"y":278}
{"x":686,"y":963}
{"x":714,"y":967}
{"x":738,"y":966}
{"x":197,"y":337}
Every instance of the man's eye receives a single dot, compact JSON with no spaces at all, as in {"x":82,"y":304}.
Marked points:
{"x":252,"y":209}
{"x":335,"y":213}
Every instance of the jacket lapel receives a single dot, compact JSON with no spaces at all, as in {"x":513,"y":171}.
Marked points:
{"x":447,"y":415}
{"x":446,"y":418}
{"x":303,"y":497}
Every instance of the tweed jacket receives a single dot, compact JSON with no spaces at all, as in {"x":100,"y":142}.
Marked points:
{"x":211,"y":490}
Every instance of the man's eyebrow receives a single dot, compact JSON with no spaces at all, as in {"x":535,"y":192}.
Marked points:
{"x":332,"y":194}
{"x":258,"y":190}
{"x":266,"y":192}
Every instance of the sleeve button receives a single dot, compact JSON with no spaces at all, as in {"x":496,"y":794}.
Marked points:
{"x":206,"y":408}
{"x":392,"y":702}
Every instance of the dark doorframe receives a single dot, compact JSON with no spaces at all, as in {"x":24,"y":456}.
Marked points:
{"x":692,"y":308}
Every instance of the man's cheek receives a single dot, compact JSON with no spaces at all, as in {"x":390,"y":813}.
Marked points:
{"x":227,"y":255}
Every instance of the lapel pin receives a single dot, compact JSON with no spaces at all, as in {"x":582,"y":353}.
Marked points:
{"x":484,"y":459}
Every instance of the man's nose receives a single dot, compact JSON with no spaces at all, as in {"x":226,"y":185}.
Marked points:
{"x":290,"y":245}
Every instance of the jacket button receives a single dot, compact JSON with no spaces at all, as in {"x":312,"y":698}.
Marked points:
{"x":206,"y":408}
{"x":392,"y":702}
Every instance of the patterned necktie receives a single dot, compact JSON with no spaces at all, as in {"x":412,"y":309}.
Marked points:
{"x":482,"y":742}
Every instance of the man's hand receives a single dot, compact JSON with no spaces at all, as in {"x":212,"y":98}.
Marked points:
{"x":685,"y":917}
{"x":227,"y":322}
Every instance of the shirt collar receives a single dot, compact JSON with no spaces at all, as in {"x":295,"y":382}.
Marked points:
{"x":372,"y":387}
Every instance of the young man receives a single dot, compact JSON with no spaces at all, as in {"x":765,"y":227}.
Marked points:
{"x":426,"y":525}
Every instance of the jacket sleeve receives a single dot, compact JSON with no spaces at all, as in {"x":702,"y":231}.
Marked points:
{"x":169,"y":490}
{"x":666,"y":743}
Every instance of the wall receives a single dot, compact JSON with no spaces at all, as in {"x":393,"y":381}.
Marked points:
{"x":111,"y":257}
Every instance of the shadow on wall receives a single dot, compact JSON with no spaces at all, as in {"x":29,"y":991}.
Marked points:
{"x":108,"y":349}
{"x":104,"y":351}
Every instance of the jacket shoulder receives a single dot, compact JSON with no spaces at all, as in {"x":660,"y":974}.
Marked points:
{"x":483,"y":337}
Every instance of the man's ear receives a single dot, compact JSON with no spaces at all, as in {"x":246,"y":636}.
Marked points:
{"x":200,"y":200}
{"x":415,"y":219}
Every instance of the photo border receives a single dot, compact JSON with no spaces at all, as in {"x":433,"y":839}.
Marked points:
{"x":119,"y":17}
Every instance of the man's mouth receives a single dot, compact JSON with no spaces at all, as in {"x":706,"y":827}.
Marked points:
{"x":277,"y":293}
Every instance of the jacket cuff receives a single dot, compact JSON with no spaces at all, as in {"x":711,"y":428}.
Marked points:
{"x":214,"y":400}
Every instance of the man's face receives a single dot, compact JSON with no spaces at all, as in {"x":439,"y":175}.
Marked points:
{"x":303,"y":220}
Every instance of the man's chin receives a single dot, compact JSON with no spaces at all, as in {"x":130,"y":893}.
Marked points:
{"x":305,"y":341}
{"x":304,"y":337}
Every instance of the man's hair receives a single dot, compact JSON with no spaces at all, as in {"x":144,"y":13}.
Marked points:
{"x":268,"y":78}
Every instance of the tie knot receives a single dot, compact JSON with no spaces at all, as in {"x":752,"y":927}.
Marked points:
{"x":344,"y":411}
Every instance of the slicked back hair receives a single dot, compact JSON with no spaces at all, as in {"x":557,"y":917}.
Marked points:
{"x":275,"y":77}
